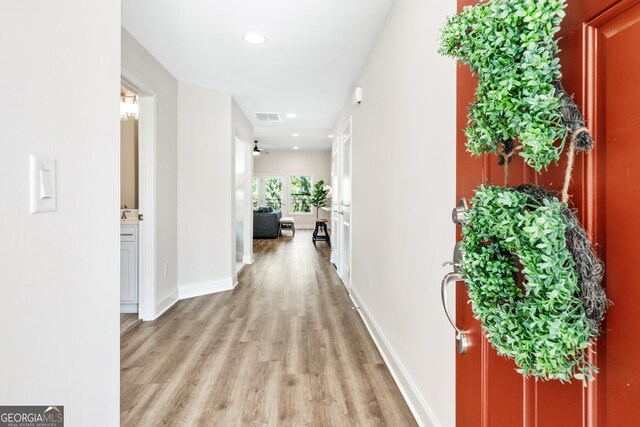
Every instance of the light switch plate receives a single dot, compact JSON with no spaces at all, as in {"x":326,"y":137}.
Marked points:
{"x":43,"y":183}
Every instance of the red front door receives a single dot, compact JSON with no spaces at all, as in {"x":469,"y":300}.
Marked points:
{"x":601,"y":67}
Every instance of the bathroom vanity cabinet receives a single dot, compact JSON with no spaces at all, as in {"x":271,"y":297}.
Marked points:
{"x":128,"y":268}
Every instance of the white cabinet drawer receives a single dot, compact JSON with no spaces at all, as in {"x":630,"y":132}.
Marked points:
{"x":128,"y":233}
{"x":128,"y":273}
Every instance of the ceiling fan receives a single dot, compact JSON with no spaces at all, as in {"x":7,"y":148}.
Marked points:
{"x":257,"y":151}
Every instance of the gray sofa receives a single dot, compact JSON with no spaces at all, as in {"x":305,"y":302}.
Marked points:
{"x":266,"y":223}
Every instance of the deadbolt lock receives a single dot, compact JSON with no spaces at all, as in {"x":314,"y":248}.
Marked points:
{"x":459,"y":214}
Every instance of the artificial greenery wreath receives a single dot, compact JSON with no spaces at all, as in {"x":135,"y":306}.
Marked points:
{"x":541,"y":324}
{"x":510,"y":47}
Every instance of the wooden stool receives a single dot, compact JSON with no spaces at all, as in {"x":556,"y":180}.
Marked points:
{"x":287,"y":222}
{"x":321,"y":225}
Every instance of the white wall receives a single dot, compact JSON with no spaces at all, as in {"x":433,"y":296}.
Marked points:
{"x":206,"y":196}
{"x":59,"y":279}
{"x":404,"y":169}
{"x":137,"y":61}
{"x":285,"y":163}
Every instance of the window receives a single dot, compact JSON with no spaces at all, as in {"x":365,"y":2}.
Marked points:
{"x":268,"y":191}
{"x":289,"y":194}
{"x":300,"y":193}
{"x":256,"y":183}
{"x":273,"y":193}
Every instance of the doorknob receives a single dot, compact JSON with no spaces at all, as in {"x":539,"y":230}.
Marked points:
{"x":462,"y":343}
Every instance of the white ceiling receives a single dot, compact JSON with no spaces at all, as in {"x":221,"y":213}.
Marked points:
{"x":313,"y":53}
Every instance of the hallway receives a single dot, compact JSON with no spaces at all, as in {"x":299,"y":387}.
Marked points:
{"x":283,"y":348}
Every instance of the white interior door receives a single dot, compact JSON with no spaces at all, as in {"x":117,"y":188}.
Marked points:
{"x":344,"y":208}
{"x":335,"y":202}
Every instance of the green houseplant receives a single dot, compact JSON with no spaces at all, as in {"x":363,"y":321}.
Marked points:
{"x":320,"y":195}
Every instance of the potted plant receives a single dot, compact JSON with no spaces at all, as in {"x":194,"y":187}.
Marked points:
{"x":321,"y":193}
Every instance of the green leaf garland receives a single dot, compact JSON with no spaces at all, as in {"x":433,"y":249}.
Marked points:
{"x":510,"y":47}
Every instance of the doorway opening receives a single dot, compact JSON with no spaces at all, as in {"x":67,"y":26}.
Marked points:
{"x":291,"y":193}
{"x":241,"y":207}
{"x":137,"y":213}
{"x":129,"y":206}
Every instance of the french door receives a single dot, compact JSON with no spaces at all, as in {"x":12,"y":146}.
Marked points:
{"x":601,"y":66}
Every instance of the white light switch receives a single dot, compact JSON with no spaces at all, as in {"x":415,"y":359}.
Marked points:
{"x":43,"y":184}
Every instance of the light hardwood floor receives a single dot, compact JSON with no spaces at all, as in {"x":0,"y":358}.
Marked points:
{"x":284,"y":348}
{"x":128,"y":322}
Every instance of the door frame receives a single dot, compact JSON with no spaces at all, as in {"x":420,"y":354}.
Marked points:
{"x":146,"y":194}
{"x":247,"y":257}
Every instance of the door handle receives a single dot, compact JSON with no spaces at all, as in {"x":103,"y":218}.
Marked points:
{"x":462,"y":342}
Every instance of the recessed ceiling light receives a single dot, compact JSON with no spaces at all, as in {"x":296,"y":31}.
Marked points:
{"x":254,"y":38}
{"x":295,"y":135}
{"x":295,"y":148}
{"x":292,"y":115}
{"x":330,"y":136}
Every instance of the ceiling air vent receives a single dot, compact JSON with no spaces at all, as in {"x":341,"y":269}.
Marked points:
{"x":267,"y":117}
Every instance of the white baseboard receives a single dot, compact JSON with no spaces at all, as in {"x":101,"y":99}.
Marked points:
{"x":248,"y":259}
{"x":304,"y":227}
{"x":421,"y":411}
{"x":128,"y":308}
{"x":166,"y":304}
{"x":205,"y":288}
{"x":308,"y":227}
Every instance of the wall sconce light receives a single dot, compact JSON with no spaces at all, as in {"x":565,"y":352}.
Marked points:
{"x":128,"y":107}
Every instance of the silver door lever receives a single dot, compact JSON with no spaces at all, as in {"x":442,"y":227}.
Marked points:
{"x":462,"y":343}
